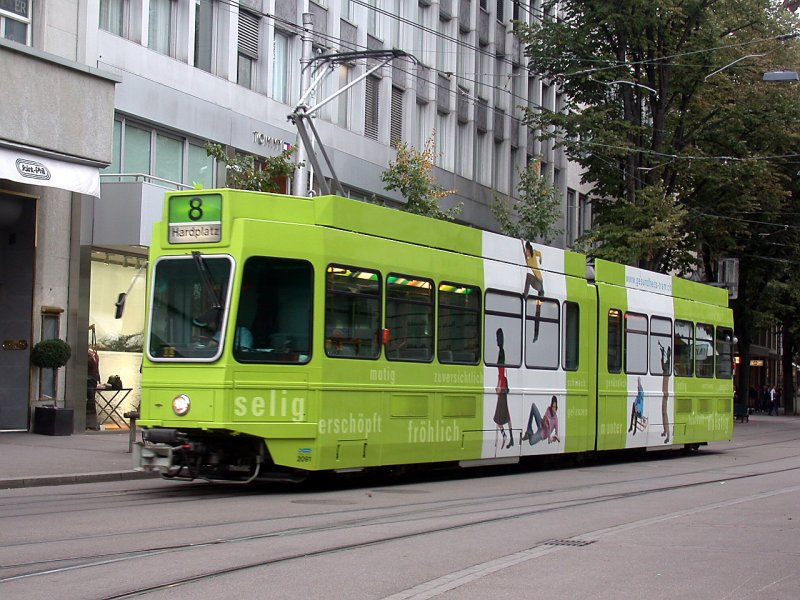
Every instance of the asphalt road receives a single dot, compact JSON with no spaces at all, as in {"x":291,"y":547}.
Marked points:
{"x":719,"y":523}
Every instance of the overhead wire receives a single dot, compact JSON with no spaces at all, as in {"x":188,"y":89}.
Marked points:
{"x":475,"y":100}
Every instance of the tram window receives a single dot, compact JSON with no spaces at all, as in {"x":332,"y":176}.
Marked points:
{"x":542,"y":317}
{"x":660,"y":346}
{"x":614,"y":340}
{"x":502,"y":333}
{"x":352,"y":312}
{"x":684,"y":345}
{"x":189,"y":307}
{"x":635,"y":343}
{"x":409,"y":318}
{"x":572,"y":329}
{"x":704,"y":350}
{"x":273,"y":322}
{"x":724,"y":352}
{"x":459,"y":324}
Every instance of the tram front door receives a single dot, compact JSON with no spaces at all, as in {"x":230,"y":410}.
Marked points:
{"x":17,"y":239}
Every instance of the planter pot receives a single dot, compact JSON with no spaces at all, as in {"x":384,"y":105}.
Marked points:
{"x":49,"y":420}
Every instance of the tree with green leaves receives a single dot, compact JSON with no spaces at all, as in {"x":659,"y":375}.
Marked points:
{"x":411,"y":174}
{"x":533,"y":214}
{"x":691,"y":155}
{"x":647,"y":88}
{"x":248,"y":172}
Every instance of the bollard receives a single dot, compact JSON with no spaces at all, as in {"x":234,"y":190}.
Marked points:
{"x":132,"y":415}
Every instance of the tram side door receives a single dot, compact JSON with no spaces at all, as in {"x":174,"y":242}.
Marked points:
{"x":17,"y":227}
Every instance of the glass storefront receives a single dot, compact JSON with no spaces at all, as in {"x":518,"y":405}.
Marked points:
{"x":118,"y":341}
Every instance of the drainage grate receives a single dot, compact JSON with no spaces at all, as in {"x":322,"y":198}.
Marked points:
{"x":569,"y":542}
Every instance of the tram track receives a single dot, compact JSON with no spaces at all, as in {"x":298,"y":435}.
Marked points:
{"x":179,"y":496}
{"x":488,"y":512}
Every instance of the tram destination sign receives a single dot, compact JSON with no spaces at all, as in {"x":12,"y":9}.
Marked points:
{"x":195,"y":219}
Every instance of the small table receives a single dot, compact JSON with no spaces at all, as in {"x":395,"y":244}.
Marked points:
{"x":108,"y":403}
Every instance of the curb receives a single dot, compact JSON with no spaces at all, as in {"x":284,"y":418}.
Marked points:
{"x":46,"y":480}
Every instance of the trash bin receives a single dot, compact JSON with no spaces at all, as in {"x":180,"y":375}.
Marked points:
{"x":50,"y":420}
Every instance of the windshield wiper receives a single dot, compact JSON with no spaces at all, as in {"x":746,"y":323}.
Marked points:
{"x":208,"y":283}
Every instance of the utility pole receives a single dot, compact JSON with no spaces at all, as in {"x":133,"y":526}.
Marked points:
{"x":300,"y":182}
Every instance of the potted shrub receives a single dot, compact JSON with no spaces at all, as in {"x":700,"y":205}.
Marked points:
{"x":51,"y":420}
{"x":51,"y":354}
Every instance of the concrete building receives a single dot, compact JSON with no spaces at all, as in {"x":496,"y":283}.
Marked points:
{"x":55,"y":135}
{"x":188,"y":72}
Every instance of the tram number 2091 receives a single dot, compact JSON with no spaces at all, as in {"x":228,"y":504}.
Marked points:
{"x":304,"y":455}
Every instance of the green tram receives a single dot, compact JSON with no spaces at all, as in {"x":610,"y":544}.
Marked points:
{"x":288,"y":335}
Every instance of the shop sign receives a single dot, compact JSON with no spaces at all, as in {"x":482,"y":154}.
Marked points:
{"x":32,"y":169}
{"x":756,"y":362}
{"x":18,"y":7}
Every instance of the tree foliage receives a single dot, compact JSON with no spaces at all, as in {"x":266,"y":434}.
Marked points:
{"x":411,"y":174}
{"x":533,"y":214}
{"x":650,"y":116}
{"x":248,"y":172}
{"x":691,"y":155}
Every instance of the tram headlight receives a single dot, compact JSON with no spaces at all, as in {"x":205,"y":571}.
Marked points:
{"x":181,"y":404}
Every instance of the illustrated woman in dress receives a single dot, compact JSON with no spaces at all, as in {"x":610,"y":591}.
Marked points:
{"x":502,"y":416}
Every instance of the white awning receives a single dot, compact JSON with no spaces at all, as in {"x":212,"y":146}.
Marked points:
{"x":34,"y":169}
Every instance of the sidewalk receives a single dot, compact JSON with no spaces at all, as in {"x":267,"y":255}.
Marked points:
{"x":30,"y":459}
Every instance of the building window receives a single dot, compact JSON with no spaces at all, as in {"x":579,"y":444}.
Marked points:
{"x":112,"y":16}
{"x":15,"y":20}
{"x":442,"y":158}
{"x":396,"y":126}
{"x":248,"y":47}
{"x":173,"y":160}
{"x":571,"y":216}
{"x":51,"y":327}
{"x":395,"y":24}
{"x":280,"y":67}
{"x":373,"y":23}
{"x":371,"y":103}
{"x":169,"y":158}
{"x":136,"y":150}
{"x":344,"y":97}
{"x":584,"y":214}
{"x":462,"y":150}
{"x":159,"y":36}
{"x":199,"y":168}
{"x":204,"y":34}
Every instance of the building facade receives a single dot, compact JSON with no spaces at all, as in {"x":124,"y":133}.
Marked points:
{"x":55,"y":136}
{"x":188,"y":72}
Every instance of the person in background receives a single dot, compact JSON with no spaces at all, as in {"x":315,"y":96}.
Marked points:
{"x":92,"y":383}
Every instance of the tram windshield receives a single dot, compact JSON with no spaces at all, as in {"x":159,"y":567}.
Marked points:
{"x":190,"y":297}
